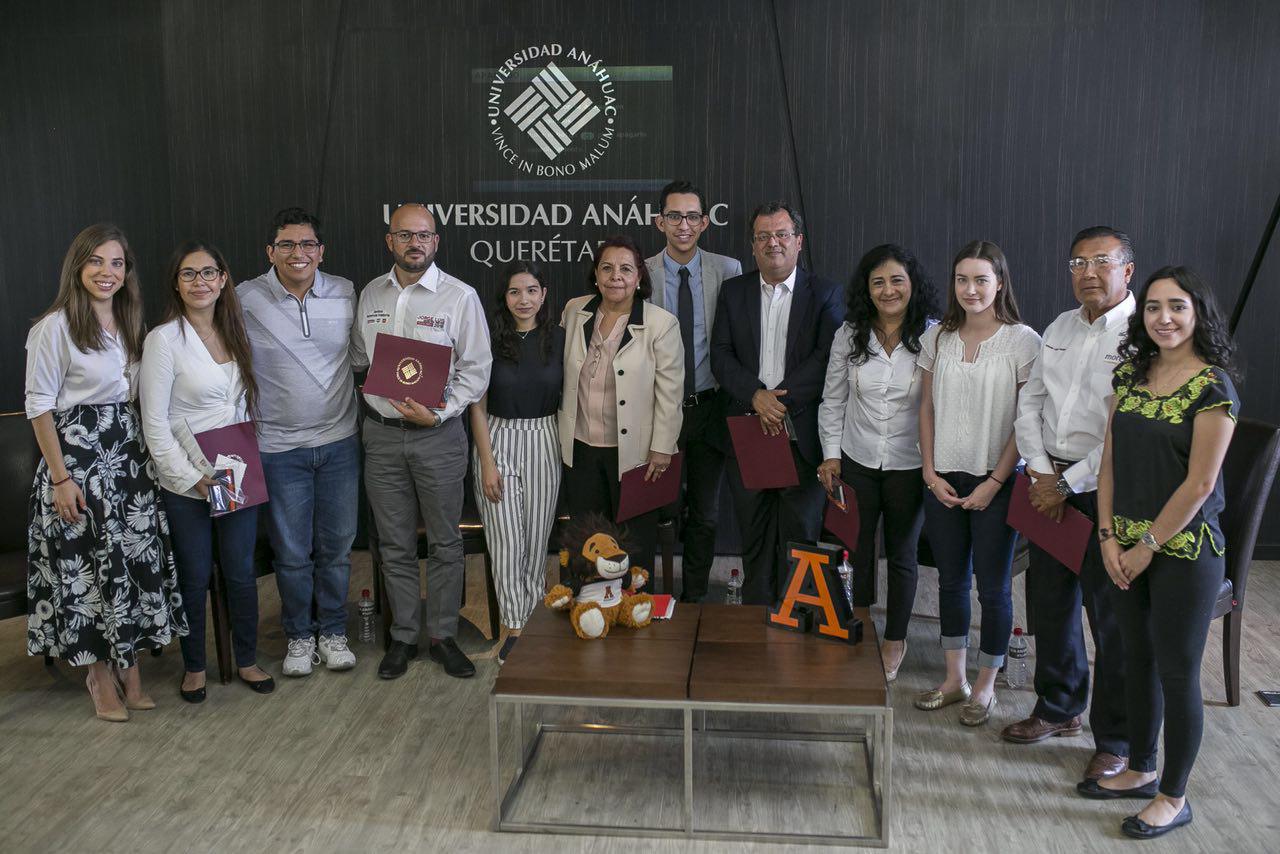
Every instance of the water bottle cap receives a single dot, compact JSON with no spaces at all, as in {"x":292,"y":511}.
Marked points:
{"x":1017,"y":631}
{"x":733,"y":573}
{"x":364,"y":594}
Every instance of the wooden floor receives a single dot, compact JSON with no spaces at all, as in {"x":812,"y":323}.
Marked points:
{"x":346,"y":762}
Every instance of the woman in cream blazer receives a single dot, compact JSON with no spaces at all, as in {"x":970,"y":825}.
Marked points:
{"x":623,"y":381}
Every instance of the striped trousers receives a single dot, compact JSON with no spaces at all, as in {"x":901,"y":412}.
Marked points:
{"x":517,"y":528}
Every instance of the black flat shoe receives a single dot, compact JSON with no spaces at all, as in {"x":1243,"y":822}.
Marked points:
{"x":508,"y":645}
{"x":1090,"y":789}
{"x":1139,"y":829}
{"x":261,"y":686}
{"x":454,"y":662}
{"x":195,"y":696}
{"x":396,"y":661}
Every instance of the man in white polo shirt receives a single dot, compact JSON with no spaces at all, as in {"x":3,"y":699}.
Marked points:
{"x":415,"y":457}
{"x":299,"y":322}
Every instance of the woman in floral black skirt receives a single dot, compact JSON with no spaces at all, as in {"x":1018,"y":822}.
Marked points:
{"x":101,"y":583}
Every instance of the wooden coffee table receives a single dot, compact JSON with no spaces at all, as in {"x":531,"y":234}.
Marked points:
{"x":728,"y":694}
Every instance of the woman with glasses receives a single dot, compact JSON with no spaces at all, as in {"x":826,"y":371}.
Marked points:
{"x":515,"y":454}
{"x":197,"y":375}
{"x":101,"y":583}
{"x":623,"y":386}
{"x":974,"y":362}
{"x":869,"y":424}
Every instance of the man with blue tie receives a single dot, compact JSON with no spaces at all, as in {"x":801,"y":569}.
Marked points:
{"x":686,"y":282}
{"x":769,"y":350}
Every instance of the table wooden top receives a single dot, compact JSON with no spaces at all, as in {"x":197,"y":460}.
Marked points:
{"x":683,"y":625}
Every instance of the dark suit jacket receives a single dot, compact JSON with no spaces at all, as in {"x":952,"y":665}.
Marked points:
{"x":817,"y":310}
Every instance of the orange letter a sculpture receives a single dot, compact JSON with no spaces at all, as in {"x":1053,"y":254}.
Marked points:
{"x":814,"y":594}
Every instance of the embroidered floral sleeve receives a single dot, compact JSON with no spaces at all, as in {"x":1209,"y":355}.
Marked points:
{"x":1184,"y":544}
{"x":1206,"y":390}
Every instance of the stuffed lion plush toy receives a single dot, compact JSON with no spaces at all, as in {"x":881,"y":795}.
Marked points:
{"x":598,"y":584}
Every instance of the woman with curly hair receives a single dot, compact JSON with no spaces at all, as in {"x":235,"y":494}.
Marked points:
{"x":869,"y":423}
{"x":101,"y":582}
{"x":1172,"y":417}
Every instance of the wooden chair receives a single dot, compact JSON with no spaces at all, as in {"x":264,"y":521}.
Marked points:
{"x":1247,"y":473}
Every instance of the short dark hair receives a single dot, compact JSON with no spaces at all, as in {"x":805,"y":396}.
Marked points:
{"x":1104,"y":231}
{"x":294,"y":216}
{"x":681,"y":187}
{"x":621,"y":241}
{"x":771,"y":208}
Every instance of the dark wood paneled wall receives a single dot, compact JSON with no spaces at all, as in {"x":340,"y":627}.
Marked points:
{"x":924,"y":123}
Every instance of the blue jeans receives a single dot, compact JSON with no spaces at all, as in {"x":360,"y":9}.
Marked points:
{"x":192,"y":531}
{"x":311,"y":522}
{"x":976,"y":543}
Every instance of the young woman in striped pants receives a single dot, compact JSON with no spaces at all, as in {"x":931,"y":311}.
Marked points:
{"x":516,"y":451}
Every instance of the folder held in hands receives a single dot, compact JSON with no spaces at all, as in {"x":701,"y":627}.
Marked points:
{"x":407,"y":367}
{"x":841,"y":516}
{"x":1065,"y":541}
{"x":240,"y":442}
{"x":639,"y":496}
{"x":765,"y":461}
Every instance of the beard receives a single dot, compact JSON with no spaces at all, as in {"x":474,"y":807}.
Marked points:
{"x":416,"y":264}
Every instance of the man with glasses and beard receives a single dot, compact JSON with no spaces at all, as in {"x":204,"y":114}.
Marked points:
{"x":415,"y":457}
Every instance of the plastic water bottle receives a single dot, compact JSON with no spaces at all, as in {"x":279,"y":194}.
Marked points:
{"x":846,"y":577}
{"x":1015,"y":664}
{"x":365,"y":609}
{"x":734,"y":596}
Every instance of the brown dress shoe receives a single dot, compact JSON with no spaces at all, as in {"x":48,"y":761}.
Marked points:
{"x":1035,"y":729}
{"x":1104,"y":765}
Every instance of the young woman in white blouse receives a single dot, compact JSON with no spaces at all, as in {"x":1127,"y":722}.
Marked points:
{"x":196,"y":376}
{"x":869,"y":424}
{"x":974,"y":362}
{"x":101,"y":583}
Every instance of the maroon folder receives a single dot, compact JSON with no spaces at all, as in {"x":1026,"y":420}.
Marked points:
{"x":765,"y":461}
{"x":238,"y":440}
{"x":841,"y":517}
{"x":1065,"y":541}
{"x":406,"y":367}
{"x":640,"y":496}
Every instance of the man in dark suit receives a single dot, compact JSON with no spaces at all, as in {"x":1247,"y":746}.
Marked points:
{"x":769,"y":350}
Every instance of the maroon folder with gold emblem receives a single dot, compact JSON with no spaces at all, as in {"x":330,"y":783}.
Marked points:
{"x":406,"y":367}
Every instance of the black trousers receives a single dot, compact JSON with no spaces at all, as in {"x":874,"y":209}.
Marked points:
{"x":767,"y":520}
{"x":898,"y":497}
{"x":1062,"y":664}
{"x":1165,"y":617}
{"x":591,"y":485}
{"x":700,"y":497}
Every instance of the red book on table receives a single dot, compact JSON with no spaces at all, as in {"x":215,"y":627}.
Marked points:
{"x":407,"y":367}
{"x":240,"y":441}
{"x":1065,"y":541}
{"x":841,"y":516}
{"x":765,"y":461}
{"x":640,"y":496}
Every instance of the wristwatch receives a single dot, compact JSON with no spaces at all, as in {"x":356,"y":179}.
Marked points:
{"x":1064,"y":488}
{"x":1105,"y":534}
{"x":1148,"y":539}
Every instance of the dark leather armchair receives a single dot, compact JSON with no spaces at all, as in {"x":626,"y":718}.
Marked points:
{"x":18,"y":461}
{"x":1247,"y":473}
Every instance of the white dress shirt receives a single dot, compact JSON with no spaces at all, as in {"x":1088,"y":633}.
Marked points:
{"x":183,"y":391}
{"x":1063,"y":408}
{"x":775,"y":312}
{"x":871,"y":410}
{"x":975,"y":403}
{"x":60,"y":376}
{"x":437,"y":308}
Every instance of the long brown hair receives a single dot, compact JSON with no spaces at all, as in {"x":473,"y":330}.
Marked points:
{"x":74,"y":300}
{"x":228,"y":319}
{"x":1005,"y":306}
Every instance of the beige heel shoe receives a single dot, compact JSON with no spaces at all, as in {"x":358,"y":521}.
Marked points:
{"x":143,"y":703}
{"x":936,"y":699}
{"x":113,"y":715}
{"x":890,"y":675}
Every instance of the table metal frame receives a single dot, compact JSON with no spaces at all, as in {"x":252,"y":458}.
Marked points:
{"x":876,"y":740}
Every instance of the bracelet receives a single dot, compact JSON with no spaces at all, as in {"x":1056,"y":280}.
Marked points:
{"x":60,"y":482}
{"x":996,"y":479}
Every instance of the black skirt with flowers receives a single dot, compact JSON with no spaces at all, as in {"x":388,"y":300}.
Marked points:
{"x":102,"y":588}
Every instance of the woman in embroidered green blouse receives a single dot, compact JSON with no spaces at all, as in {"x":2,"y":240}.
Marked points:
{"x":1161,"y":483}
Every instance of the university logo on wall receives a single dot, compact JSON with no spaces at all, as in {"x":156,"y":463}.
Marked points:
{"x":552,"y":110}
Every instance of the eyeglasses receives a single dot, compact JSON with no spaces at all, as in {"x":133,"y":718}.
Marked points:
{"x":674,"y":217}
{"x":764,"y":237}
{"x":409,"y":236}
{"x":208,"y":274}
{"x":1101,"y":263}
{"x":307,"y":246}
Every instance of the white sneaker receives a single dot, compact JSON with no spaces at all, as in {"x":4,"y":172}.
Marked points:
{"x":301,"y":654}
{"x":335,"y":653}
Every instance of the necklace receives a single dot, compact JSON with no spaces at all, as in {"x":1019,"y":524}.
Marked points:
{"x":525,"y":334}
{"x":1181,"y":376}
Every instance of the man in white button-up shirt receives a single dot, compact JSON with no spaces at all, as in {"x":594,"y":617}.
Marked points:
{"x":1062,"y":420}
{"x":415,"y":457}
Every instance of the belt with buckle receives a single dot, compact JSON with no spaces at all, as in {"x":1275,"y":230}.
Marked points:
{"x":398,"y":423}
{"x":699,"y":397}
{"x":1060,"y":465}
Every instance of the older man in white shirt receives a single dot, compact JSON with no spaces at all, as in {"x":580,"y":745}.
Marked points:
{"x":1062,"y":421}
{"x":415,"y":457}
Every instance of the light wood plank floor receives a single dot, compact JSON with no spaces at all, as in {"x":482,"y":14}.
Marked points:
{"x":346,"y":762}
